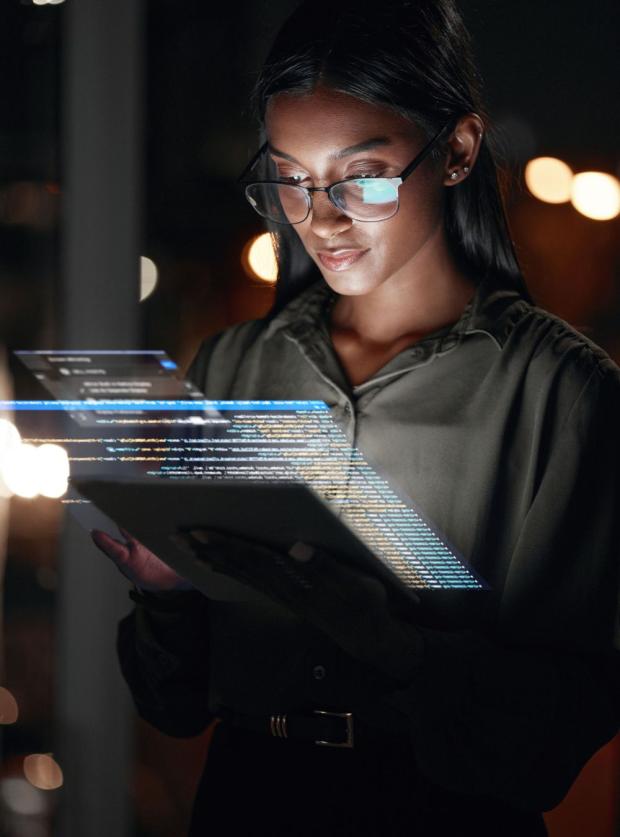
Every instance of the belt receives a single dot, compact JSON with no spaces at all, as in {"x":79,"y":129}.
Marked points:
{"x":323,"y":727}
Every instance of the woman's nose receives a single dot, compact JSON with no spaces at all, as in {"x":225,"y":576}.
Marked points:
{"x":326,"y":220}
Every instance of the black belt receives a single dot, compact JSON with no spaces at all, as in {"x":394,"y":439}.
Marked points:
{"x":323,"y":727}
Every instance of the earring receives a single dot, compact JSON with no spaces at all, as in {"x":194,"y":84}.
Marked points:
{"x":465,"y":169}
{"x":454,"y":174}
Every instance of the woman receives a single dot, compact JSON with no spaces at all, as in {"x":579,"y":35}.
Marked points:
{"x":405,"y":310}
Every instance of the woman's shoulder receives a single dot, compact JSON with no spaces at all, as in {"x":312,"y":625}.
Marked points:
{"x":235,"y":337}
{"x":228,"y":346}
{"x":563,"y":363}
{"x":559,"y":345}
{"x":225,"y":347}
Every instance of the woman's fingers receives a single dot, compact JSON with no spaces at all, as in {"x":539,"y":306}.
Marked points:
{"x":125,"y":534}
{"x":117,"y":551}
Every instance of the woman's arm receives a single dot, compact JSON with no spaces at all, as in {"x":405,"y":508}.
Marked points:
{"x":164,"y":657}
{"x":516,"y":715}
{"x":162,"y":645}
{"x":515,"y":724}
{"x":514,"y":712}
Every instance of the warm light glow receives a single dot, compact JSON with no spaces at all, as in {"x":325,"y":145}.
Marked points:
{"x":20,"y":467}
{"x":43,"y":771}
{"x":20,"y":797}
{"x":549,"y":179}
{"x":148,"y":277}
{"x":53,"y":470}
{"x":9,"y":439}
{"x":596,"y":195}
{"x":9,"y":435}
{"x":259,"y":258}
{"x":27,"y":470}
{"x":9,"y":711}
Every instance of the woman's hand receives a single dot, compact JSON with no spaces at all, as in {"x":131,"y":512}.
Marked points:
{"x":139,"y":564}
{"x":352,"y":608}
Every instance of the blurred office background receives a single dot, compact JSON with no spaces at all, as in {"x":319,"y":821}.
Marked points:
{"x":123,"y":126}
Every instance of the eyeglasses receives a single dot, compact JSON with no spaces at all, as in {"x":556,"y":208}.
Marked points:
{"x":361,"y":198}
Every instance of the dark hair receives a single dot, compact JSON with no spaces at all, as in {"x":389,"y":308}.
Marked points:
{"x":415,"y":57}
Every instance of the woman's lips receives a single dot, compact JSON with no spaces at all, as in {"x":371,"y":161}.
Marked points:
{"x":340,"y":259}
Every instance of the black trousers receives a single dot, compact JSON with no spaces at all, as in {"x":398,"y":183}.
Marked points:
{"x":257,"y":785}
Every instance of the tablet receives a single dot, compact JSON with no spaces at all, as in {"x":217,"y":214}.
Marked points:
{"x":276,"y":513}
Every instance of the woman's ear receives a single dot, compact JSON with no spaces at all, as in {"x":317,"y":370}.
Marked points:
{"x":463,"y":146}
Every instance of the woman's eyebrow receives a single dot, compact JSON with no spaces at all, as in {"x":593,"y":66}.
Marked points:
{"x":344,"y":152}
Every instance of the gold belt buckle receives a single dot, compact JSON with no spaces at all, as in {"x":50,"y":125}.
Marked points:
{"x":348,"y":716}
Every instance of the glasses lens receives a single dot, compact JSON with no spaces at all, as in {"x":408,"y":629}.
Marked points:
{"x":280,"y":202}
{"x":367,"y":199}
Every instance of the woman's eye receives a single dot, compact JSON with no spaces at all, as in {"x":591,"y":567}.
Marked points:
{"x":365,"y":173}
{"x":362,"y":176}
{"x":297,"y":178}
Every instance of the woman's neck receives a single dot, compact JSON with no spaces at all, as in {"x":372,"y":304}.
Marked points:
{"x":407,"y":312}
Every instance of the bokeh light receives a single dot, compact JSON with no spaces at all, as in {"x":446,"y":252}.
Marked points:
{"x":20,"y":470}
{"x":28,"y":470}
{"x":148,"y":277}
{"x":549,"y":179}
{"x":259,"y":258}
{"x":9,"y":435}
{"x":42,"y":771}
{"x":596,"y":195}
{"x":9,"y":711}
{"x":53,"y":470}
{"x":20,"y":797}
{"x":9,"y":439}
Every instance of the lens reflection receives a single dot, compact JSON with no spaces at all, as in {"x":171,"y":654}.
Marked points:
{"x":364,"y":199}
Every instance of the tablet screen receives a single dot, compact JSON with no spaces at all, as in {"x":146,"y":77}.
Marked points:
{"x":177,"y":438}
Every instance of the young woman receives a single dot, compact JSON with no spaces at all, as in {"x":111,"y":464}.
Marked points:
{"x":401,"y":304}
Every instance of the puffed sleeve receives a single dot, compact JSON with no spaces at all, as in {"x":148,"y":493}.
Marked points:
{"x":163,"y":655}
{"x":515,"y":713}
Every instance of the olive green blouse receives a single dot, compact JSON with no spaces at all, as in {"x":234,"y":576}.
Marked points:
{"x":504,"y":428}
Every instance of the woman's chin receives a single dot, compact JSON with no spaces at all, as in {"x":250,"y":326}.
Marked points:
{"x":349,"y":283}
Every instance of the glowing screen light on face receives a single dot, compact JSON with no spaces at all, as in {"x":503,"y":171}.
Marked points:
{"x":377,"y":190}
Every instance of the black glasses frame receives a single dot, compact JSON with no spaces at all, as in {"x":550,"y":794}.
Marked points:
{"x":308,"y":189}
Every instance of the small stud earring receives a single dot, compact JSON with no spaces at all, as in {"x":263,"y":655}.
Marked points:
{"x":454,"y":175}
{"x":465,"y":169}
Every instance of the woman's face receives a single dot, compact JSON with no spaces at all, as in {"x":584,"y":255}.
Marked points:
{"x":312,"y":129}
